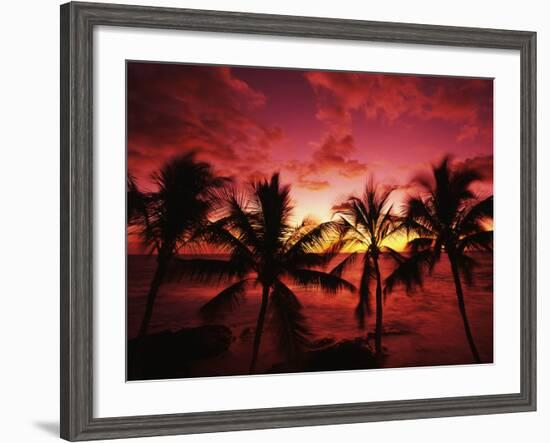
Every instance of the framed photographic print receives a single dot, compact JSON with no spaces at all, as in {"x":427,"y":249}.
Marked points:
{"x":273,"y":221}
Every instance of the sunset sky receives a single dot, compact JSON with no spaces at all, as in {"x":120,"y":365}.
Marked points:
{"x":324,"y":131}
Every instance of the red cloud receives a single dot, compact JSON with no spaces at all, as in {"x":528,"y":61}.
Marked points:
{"x":483,"y":164}
{"x":313,"y":185}
{"x":331,"y":154}
{"x":466,"y":103}
{"x":174,"y":107}
{"x":467,"y":133}
{"x":334,"y":153}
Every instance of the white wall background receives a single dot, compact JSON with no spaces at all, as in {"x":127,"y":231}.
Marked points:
{"x":29,"y":220}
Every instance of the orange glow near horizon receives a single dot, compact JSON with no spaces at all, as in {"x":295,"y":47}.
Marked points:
{"x":325,"y":132}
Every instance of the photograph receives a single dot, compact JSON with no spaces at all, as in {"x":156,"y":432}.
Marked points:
{"x":293,"y":220}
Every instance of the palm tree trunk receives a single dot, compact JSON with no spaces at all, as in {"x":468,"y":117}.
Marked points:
{"x":259,"y":328}
{"x":152,"y":295}
{"x":379,"y":310}
{"x":462,"y":308}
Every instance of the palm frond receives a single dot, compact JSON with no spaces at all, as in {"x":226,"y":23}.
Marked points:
{"x":217,"y":234}
{"x":344,"y":264}
{"x":419,"y":217}
{"x":354,"y":232}
{"x":396,"y":230}
{"x":473,"y":215}
{"x":313,"y":279}
{"x":340,"y":246}
{"x":478,"y":241}
{"x":419,"y":244}
{"x":408,"y":271}
{"x":205,"y":270}
{"x":225,"y":301}
{"x":466,"y":266}
{"x":313,"y":239}
{"x":384,"y":224}
{"x":135,"y":202}
{"x":288,"y":321}
{"x":271,"y":203}
{"x":248,"y":225}
{"x":361,"y":311}
{"x":461,"y":181}
{"x":296,"y":232}
{"x":363,"y":212}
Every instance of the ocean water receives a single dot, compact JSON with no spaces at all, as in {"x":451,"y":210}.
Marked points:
{"x":420,"y":329}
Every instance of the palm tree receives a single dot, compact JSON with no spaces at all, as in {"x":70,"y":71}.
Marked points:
{"x":445,"y":217}
{"x":368,"y":224}
{"x":172,"y":215}
{"x":265,"y":249}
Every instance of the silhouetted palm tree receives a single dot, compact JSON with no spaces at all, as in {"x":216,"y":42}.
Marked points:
{"x":265,"y":249}
{"x":174,"y":213}
{"x":445,"y":217}
{"x":368,"y":223}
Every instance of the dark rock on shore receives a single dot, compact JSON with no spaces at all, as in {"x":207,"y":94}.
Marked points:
{"x":169,"y":354}
{"x":247,"y":334}
{"x":322,"y":343}
{"x":343,"y":355}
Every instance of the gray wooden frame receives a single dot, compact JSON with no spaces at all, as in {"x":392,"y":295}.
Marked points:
{"x":77,"y":23}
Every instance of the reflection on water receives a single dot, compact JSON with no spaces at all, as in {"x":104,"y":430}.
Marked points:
{"x":421,"y":329}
